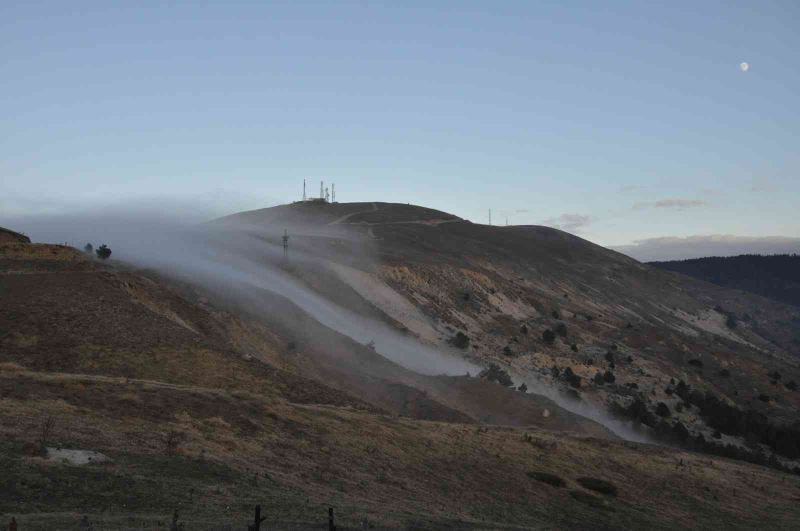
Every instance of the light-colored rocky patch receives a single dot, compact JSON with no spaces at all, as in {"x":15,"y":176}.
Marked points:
{"x":710,"y":321}
{"x":75,"y":457}
{"x":514,"y":308}
{"x":388,"y":300}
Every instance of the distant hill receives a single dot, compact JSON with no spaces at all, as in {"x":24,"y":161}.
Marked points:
{"x":776,"y":277}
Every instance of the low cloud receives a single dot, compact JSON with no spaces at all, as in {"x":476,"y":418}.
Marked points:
{"x":568,"y":222}
{"x":676,"y":203}
{"x":673,"y":248}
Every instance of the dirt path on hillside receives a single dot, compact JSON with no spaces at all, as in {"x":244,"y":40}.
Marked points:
{"x":342,"y":219}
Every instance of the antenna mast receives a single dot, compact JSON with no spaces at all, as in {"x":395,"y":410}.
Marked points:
{"x":321,"y":193}
{"x":304,"y":189}
{"x":490,"y":216}
{"x":333,"y":192}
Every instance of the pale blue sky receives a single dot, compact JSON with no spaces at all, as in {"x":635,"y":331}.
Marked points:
{"x":620,"y":121}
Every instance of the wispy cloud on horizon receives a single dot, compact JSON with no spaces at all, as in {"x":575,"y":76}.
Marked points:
{"x":568,"y":222}
{"x":676,"y":248}
{"x":677,"y":203}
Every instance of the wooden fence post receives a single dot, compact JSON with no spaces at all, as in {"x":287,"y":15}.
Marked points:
{"x":257,"y":521}
{"x":331,"y":525}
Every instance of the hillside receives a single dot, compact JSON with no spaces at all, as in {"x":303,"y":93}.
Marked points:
{"x":647,"y":345}
{"x":9,"y":236}
{"x":776,"y":277}
{"x":209,"y":392}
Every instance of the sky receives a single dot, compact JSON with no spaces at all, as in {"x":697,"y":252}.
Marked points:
{"x":627,"y":123}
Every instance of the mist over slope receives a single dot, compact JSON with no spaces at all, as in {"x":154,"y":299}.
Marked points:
{"x":556,"y":310}
{"x":334,"y":375}
{"x":242,"y":267}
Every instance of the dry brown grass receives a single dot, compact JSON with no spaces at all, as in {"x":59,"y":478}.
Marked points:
{"x":385,"y":467}
{"x":121,"y":374}
{"x":41,"y":251}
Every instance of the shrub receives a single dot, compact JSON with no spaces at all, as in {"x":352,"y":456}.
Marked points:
{"x":460,"y":340}
{"x":725,"y":373}
{"x":548,"y":336}
{"x":680,"y":431}
{"x":598,"y":485}
{"x":523,"y":330}
{"x":662,"y":410}
{"x":542,"y":444}
{"x":172,"y":440}
{"x":609,"y":377}
{"x":598,"y":378}
{"x":522,"y":388}
{"x":589,"y":499}
{"x":46,"y":432}
{"x":791,"y":386}
{"x":546,"y":477}
{"x":572,"y":379}
{"x":89,"y":249}
{"x":561,"y":329}
{"x":494,"y":373}
{"x":556,"y":315}
{"x":730,"y":321}
{"x":695,"y":363}
{"x":103,"y":252}
{"x":609,"y":356}
{"x":574,"y":347}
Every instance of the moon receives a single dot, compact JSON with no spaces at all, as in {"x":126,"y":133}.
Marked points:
{"x":744,"y":67}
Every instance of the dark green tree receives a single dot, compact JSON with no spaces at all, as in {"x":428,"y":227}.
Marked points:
{"x":103,"y":252}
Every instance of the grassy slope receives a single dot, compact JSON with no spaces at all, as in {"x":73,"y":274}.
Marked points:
{"x":256,"y":433}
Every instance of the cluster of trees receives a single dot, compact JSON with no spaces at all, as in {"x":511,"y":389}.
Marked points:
{"x":103,"y":252}
{"x":752,"y":425}
{"x":776,"y":276}
{"x":725,"y":418}
{"x":494,"y":373}
{"x":679,"y":434}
